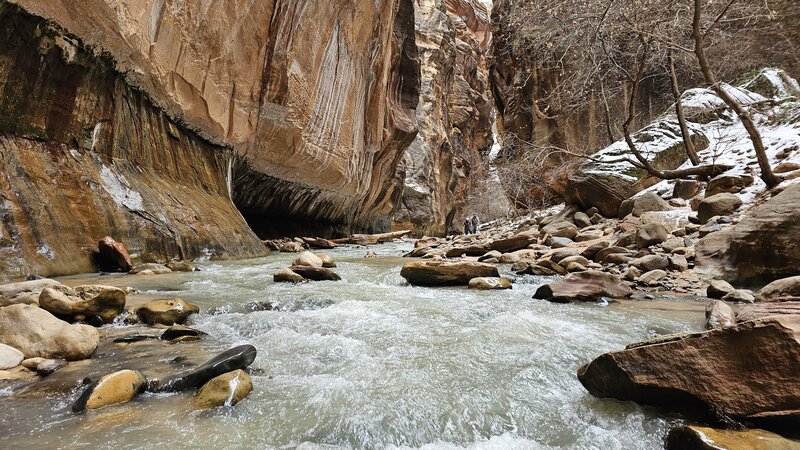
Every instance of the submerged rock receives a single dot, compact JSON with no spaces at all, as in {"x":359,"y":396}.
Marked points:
{"x":227,"y":389}
{"x":36,"y":332}
{"x":489,"y":283}
{"x":180,"y":266}
{"x":177,"y":331}
{"x":746,"y":373}
{"x":111,"y":389}
{"x":692,"y":437}
{"x":104,"y":301}
{"x":236,"y":358}
{"x":48,"y":366}
{"x":316,"y":273}
{"x":24,"y":292}
{"x":113,"y":256}
{"x":591,"y":285}
{"x":166,"y":312}
{"x":287,"y":275}
{"x":442,"y":273}
{"x":10,"y":357}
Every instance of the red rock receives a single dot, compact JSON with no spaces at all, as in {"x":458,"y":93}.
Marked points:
{"x":113,"y":255}
{"x":591,"y":285}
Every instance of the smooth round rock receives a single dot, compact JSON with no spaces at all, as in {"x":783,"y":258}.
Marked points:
{"x":227,"y":389}
{"x":112,"y":389}
{"x":10,"y":357}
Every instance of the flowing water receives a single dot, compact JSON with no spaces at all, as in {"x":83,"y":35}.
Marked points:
{"x":370,"y":362}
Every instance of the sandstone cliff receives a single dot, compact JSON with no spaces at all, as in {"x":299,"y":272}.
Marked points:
{"x":448,"y":158}
{"x":144,"y":118}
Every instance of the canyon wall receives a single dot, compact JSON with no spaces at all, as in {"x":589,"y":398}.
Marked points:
{"x":448,"y":158}
{"x":149,"y":119}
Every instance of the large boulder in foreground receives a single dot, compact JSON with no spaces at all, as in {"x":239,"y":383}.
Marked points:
{"x":745,"y":373}
{"x":783,"y":290}
{"x":763,"y":246}
{"x":37,"y":333}
{"x":443,"y":273}
{"x":111,"y":389}
{"x":723,"y":204}
{"x":588,"y":286}
{"x":228,"y":361}
{"x":104,"y":301}
{"x":691,"y":437}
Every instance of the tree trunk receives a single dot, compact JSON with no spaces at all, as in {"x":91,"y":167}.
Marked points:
{"x":691,"y":152}
{"x":769,"y":177}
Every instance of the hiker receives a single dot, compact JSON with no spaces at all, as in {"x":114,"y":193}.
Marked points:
{"x":475,"y":223}
{"x":467,"y":226}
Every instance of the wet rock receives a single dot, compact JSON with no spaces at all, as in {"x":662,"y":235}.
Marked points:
{"x":651,"y":234}
{"x":228,"y":361}
{"x":10,"y":357}
{"x":489,"y":283}
{"x":692,"y":437}
{"x":316,"y":273}
{"x":24,"y":292}
{"x":686,"y":189}
{"x":652,"y":277}
{"x":719,"y":315}
{"x":49,"y":366}
{"x":591,"y":285}
{"x":727,"y":182}
{"x":227,"y":389}
{"x":107,"y":302}
{"x":739,"y":296}
{"x":718,"y":289}
{"x":166,"y":312}
{"x":561,"y":229}
{"x":287,"y":276}
{"x":114,"y":388}
{"x":718,"y":205}
{"x":177,"y":331}
{"x":440,"y":273}
{"x":32,"y":363}
{"x":180,"y":266}
{"x":36,"y":332}
{"x":785,"y":289}
{"x":710,"y":371}
{"x":759,"y":310}
{"x":649,"y":201}
{"x":307,"y":258}
{"x":371,"y":254}
{"x":291,"y":247}
{"x":113,"y":256}
{"x":327,"y":261}
{"x":650,"y":262}
{"x":319,"y":243}
{"x":134,"y":338}
{"x":469,"y":250}
{"x":516,"y":242}
{"x":156,"y":269}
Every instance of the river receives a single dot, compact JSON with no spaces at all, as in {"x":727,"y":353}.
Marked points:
{"x":370,"y":362}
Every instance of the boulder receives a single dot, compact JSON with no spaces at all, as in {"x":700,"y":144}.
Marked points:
{"x":678,"y":263}
{"x":762,"y":247}
{"x":692,"y":437}
{"x":718,"y":289}
{"x":319,"y":243}
{"x":441,"y":273}
{"x":723,"y":204}
{"x":107,"y":302}
{"x":560,"y":242}
{"x":111,"y":389}
{"x":506,"y":258}
{"x":157,"y":269}
{"x":631,"y":274}
{"x":327,"y":261}
{"x":719,"y":315}
{"x":591,"y":285}
{"x":489,"y":255}
{"x":651,"y":234}
{"x":589,"y":235}
{"x":604,"y":252}
{"x":552,"y":268}
{"x":180,"y":266}
{"x":49,"y":366}
{"x":113,"y":256}
{"x":728,"y":182}
{"x":287,"y":275}
{"x":36,"y":332}
{"x":593,"y":249}
{"x":647,"y":202}
{"x":227,"y":389}
{"x":316,"y":273}
{"x":516,"y":242}
{"x":24,"y":292}
{"x":166,"y":312}
{"x":686,"y":189}
{"x":785,"y":289}
{"x":228,"y":361}
{"x":746,"y":373}
{"x":759,"y":310}
{"x":652,"y":277}
{"x":739,"y":296}
{"x":561,"y":229}
{"x":177,"y":331}
{"x":573,"y":259}
{"x":307,"y":258}
{"x":581,"y":219}
{"x":290,"y":247}
{"x":650,"y":262}
{"x":489,"y":283}
{"x":10,"y":357}
{"x":468,"y":250}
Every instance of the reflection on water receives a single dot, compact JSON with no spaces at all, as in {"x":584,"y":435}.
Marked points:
{"x":369,"y":362}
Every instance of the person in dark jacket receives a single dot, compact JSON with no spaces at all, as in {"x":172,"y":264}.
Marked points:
{"x":475,"y":223}
{"x":467,"y":226}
